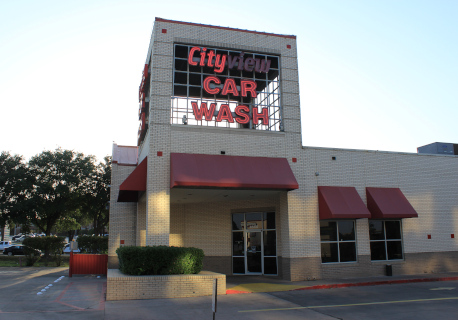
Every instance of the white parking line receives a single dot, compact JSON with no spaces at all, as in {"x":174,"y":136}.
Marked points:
{"x":352,"y":304}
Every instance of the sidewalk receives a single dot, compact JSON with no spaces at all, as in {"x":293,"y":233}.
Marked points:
{"x":251,"y":284}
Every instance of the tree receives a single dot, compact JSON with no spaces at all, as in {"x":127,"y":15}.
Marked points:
{"x":96,"y":200}
{"x":15,"y":186}
{"x":68,"y":224}
{"x":61,"y":179}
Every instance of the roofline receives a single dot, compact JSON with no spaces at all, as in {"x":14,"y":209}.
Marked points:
{"x":226,"y":28}
{"x":381,"y":151}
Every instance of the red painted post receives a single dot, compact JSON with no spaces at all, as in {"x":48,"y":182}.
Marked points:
{"x":70,"y":264}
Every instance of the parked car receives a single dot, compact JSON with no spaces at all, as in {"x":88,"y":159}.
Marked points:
{"x":21,"y":238}
{"x":16,"y":249}
{"x":16,"y":236}
{"x":4,"y":244}
{"x":67,"y":249}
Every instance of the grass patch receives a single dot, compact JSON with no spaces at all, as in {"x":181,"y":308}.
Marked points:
{"x":50,"y":264}
{"x":10,"y":262}
{"x":14,"y":261}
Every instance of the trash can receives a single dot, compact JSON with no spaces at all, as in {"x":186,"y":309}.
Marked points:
{"x":389,"y":270}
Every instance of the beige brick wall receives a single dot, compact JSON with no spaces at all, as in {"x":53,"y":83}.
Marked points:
{"x":126,"y":287}
{"x":235,"y":142}
{"x":122,"y":214}
{"x":414,"y":263}
{"x":208,"y":226}
{"x":428,"y":182}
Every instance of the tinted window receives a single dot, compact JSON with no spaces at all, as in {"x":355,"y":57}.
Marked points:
{"x":329,"y":252}
{"x":393,"y":229}
{"x":328,"y":230}
{"x":376,"y":230}
{"x":237,"y":221}
{"x":346,"y":230}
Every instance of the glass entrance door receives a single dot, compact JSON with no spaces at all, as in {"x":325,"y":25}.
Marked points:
{"x":253,"y":252}
{"x":254,"y":248}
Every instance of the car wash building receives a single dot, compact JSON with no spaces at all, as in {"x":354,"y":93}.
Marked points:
{"x":220,"y":166}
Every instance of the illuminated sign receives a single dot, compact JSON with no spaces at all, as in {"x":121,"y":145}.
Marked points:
{"x":211,"y":85}
{"x":225,"y":88}
{"x":249,"y":64}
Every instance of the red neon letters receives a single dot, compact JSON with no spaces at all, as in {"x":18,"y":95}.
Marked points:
{"x":230,"y":87}
{"x":242,"y":113}
{"x":264,"y":116}
{"x":224,"y":114}
{"x":206,"y":85}
{"x":248,"y":64}
{"x":220,"y":60}
{"x":212,"y":85}
{"x":208,"y":113}
{"x":248,"y":86}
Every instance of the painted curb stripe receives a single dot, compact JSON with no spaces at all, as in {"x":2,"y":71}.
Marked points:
{"x":359,"y":284}
{"x":375,"y":283}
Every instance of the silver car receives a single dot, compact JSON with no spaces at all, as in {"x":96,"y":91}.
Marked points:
{"x":4,"y":245}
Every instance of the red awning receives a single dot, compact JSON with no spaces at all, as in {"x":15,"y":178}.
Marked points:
{"x":221,"y":171}
{"x":341,"y":203}
{"x":135,"y":182}
{"x":386,"y":203}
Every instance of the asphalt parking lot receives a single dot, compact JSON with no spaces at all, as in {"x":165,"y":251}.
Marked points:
{"x":23,"y":294}
{"x":416,"y":301}
{"x":21,"y":297}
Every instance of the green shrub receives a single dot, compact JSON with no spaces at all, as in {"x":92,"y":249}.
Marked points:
{"x":50,"y":246}
{"x":93,"y":244}
{"x":160,"y":260}
{"x":31,"y":255}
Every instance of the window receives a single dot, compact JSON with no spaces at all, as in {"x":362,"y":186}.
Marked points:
{"x":338,"y":241}
{"x":386,"y":239}
{"x":189,"y":83}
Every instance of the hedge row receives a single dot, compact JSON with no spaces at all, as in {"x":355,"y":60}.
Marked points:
{"x":51,"y":247}
{"x":160,"y":260}
{"x":93,"y":244}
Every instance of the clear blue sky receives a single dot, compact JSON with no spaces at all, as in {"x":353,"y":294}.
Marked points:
{"x":377,"y":75}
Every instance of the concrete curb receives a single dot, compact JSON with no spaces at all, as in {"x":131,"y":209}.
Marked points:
{"x":360,"y":284}
{"x":376,"y":283}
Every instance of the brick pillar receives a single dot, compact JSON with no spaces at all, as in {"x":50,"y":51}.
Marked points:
{"x":158,"y":200}
{"x":283,"y":225}
{"x":141,"y":221}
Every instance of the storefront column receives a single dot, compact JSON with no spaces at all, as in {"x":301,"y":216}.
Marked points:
{"x":158,"y":218}
{"x":158,"y":199}
{"x":284,"y":225}
{"x":141,"y":220}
